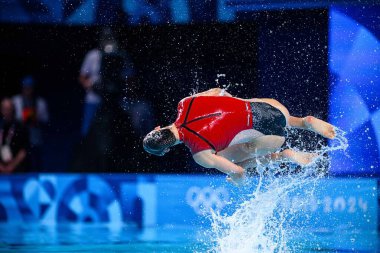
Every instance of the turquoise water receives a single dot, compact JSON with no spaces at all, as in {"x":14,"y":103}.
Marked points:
{"x":103,"y":238}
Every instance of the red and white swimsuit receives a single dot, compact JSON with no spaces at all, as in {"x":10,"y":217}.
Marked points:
{"x":211,"y":122}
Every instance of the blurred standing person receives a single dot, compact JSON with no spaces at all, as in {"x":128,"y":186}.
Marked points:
{"x":13,"y":140}
{"x":105,"y":120}
{"x":32,"y":111}
{"x":88,"y":76}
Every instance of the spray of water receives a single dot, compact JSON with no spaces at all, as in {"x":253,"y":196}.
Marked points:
{"x":259,"y":223}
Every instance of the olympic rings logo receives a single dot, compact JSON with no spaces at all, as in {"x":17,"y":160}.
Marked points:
{"x":202,"y":200}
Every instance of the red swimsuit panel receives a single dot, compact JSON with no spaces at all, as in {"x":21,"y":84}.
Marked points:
{"x":211,"y":122}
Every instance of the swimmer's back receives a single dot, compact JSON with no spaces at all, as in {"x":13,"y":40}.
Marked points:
{"x":209,"y":122}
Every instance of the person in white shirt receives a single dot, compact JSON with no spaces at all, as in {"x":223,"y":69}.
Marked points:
{"x":106,"y":75}
{"x":89,"y":75}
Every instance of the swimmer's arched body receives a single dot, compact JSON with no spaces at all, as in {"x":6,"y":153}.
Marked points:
{"x":230,"y":134}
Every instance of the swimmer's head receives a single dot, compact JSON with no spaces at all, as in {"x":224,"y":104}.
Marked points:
{"x":159,"y":141}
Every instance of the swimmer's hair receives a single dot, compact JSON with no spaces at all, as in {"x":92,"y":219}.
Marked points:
{"x":157,"y":141}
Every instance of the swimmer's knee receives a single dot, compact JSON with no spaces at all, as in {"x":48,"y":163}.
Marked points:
{"x":248,"y":147}
{"x":287,"y":153}
{"x":266,"y":144}
{"x":252,"y":149}
{"x":308,"y":120}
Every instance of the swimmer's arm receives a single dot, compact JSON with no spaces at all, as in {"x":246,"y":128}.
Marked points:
{"x":209,"y":160}
{"x":213,"y":92}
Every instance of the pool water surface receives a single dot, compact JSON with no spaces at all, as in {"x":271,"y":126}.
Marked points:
{"x":106,"y":238}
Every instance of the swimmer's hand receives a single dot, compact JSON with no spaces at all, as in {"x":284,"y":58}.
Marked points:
{"x":208,"y":159}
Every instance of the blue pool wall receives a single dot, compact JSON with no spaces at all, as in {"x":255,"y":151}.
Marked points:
{"x":185,"y":200}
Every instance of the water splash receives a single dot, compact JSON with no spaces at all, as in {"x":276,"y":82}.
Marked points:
{"x":259,"y":222}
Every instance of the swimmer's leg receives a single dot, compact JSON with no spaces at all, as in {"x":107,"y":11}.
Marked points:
{"x":309,"y":122}
{"x":264,"y":149}
{"x":264,"y":145}
{"x":258,"y":147}
{"x":253,"y":162}
{"x":300,"y":158}
{"x":313,"y":124}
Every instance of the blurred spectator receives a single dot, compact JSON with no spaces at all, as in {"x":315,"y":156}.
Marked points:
{"x":13,"y":140}
{"x":32,"y":111}
{"x":89,"y":75}
{"x":116,"y":70}
{"x":106,"y":73}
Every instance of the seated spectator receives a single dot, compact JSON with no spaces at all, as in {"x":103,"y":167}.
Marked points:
{"x":13,"y":140}
{"x":32,"y":111}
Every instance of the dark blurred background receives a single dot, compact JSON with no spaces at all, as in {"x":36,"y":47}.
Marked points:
{"x":276,"y":54}
{"x":281,"y":51}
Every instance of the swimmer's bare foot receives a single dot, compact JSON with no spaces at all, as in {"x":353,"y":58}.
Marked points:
{"x":320,"y":127}
{"x":301,"y":158}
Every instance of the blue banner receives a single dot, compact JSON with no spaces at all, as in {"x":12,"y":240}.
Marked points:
{"x":150,"y":200}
